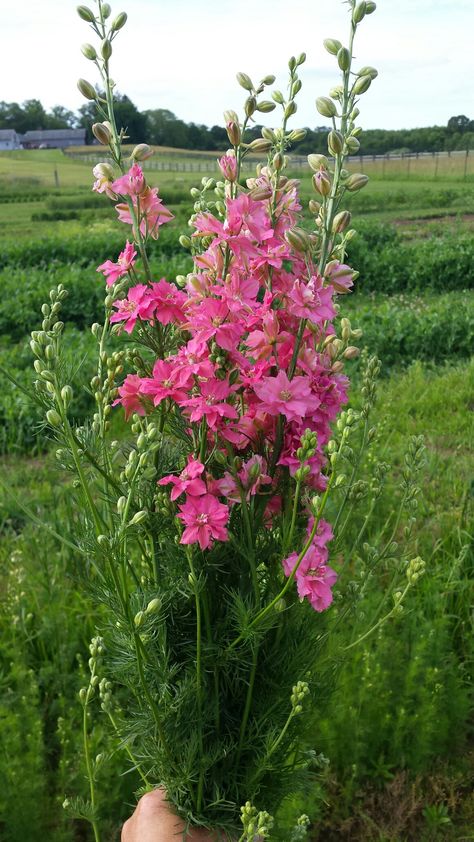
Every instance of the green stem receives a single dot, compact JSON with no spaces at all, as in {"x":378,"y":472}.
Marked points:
{"x":90,"y":771}
{"x":129,"y":752}
{"x":379,"y":623}
{"x":189,"y":555}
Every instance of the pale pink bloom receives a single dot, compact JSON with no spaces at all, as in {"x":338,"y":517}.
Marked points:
{"x":137,"y":305}
{"x":168,"y":381}
{"x":311,"y":301}
{"x":102,"y":184}
{"x":188,"y":481}
{"x":131,"y":183}
{"x":281,"y":396}
{"x":168,"y":301}
{"x":131,"y":396}
{"x":210,"y":404}
{"x":114,"y":271}
{"x":150,"y":210}
{"x":205,"y":520}
{"x":228,"y":167}
{"x":262,"y":342}
{"x":244,"y":213}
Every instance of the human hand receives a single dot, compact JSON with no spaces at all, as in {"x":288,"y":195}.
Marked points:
{"x":154,"y":821}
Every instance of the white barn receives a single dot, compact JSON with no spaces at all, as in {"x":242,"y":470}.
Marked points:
{"x":9,"y":139}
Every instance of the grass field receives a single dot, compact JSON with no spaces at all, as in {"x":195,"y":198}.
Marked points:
{"x":398,"y":736}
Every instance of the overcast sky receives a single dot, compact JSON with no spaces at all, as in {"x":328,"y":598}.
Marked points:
{"x":183,"y":55}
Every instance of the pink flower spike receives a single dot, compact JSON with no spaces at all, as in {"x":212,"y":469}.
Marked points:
{"x":205,"y":520}
{"x":188,"y":481}
{"x":114,"y":271}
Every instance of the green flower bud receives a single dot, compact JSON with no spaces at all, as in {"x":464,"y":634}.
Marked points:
{"x":370,"y":7}
{"x":297,"y":135}
{"x":86,"y":89}
{"x":332,"y":45}
{"x":141,"y":152}
{"x":245,"y":81}
{"x":368,"y":71}
{"x":53,"y":418}
{"x":138,"y":619}
{"x":268,"y":80}
{"x":119,"y":22}
{"x":290,"y":109}
{"x":326,"y":107}
{"x":138,"y":517}
{"x":298,"y":239}
{"x":233,"y":132}
{"x":250,"y":106}
{"x":103,"y":135}
{"x":67,"y":395}
{"x":335,"y":143}
{"x":360,"y":12}
{"x":351,"y":352}
{"x":356,"y":181}
{"x":260,"y":145}
{"x":268,"y":134}
{"x":314,"y":207}
{"x":89,"y":52}
{"x":86,"y":14}
{"x":266,"y":106}
{"x":322,"y":182}
{"x":301,"y":59}
{"x":317,"y":162}
{"x":341,"y":221}
{"x":106,"y":10}
{"x":362,"y":84}
{"x":106,"y":49}
{"x":352,"y":145}
{"x":82,"y":695}
{"x":344,"y":58}
{"x":153,"y":606}
{"x":278,"y":97}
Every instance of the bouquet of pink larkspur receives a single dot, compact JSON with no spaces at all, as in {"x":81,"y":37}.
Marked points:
{"x":207,"y":527}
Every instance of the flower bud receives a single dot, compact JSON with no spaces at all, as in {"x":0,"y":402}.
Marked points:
{"x":268,"y":80}
{"x":368,"y":71}
{"x":335,"y":143}
{"x":326,"y":107}
{"x":245,"y":81}
{"x":356,"y":181}
{"x":370,"y":7}
{"x":268,"y":134}
{"x":86,"y":14}
{"x":250,"y":106}
{"x":362,"y":84}
{"x":106,"y":10}
{"x":332,"y":45}
{"x":89,"y":52}
{"x":278,"y":161}
{"x":138,"y":517}
{"x":317,"y":162}
{"x":297,"y":135}
{"x":119,"y":22}
{"x":260,"y":144}
{"x":360,"y":12}
{"x":351,"y":352}
{"x":266,"y":106}
{"x":82,"y":695}
{"x":153,"y":606}
{"x":106,"y":49}
{"x":314,"y":207}
{"x":290,"y":109}
{"x":352,"y":145}
{"x":53,"y":418}
{"x":261,"y":193}
{"x":141,"y":152}
{"x":103,"y":135}
{"x":66,"y":395}
{"x":86,"y":89}
{"x":298,"y":239}
{"x":341,"y":221}
{"x":344,"y":58}
{"x":336,"y":92}
{"x":322,"y":182}
{"x":278,"y":97}
{"x":233,"y":132}
{"x":138,"y":619}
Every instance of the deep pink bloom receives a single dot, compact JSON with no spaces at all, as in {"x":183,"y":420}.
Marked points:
{"x":188,"y":481}
{"x":314,"y":579}
{"x":169,"y":301}
{"x":150,"y":211}
{"x":281,"y":396}
{"x":205,"y":520}
{"x":168,"y":381}
{"x":131,"y":183}
{"x":252,"y":475}
{"x":311,"y":301}
{"x":114,"y":271}
{"x":137,"y":305}
{"x":211,"y":318}
{"x":210,"y":404}
{"x":131,"y":396}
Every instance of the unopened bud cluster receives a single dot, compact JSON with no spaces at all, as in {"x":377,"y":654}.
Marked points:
{"x":255,"y":825}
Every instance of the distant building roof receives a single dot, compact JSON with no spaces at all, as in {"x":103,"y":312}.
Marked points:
{"x":8,"y":134}
{"x":55,"y":134}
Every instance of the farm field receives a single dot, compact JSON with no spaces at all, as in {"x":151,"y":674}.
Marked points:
{"x":394,"y":758}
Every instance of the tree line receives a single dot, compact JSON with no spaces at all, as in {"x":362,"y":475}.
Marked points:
{"x":161,"y":127}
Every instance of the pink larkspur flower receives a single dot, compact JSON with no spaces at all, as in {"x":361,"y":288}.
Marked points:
{"x":188,"y":481}
{"x":281,"y":396}
{"x":150,"y":210}
{"x":168,"y":381}
{"x":314,"y":578}
{"x":103,"y":183}
{"x":130,"y":396}
{"x":210,"y":404}
{"x":114,"y":271}
{"x":137,"y":305}
{"x":205,"y":519}
{"x":311,"y":301}
{"x":228,"y":167}
{"x":168,"y":301}
{"x":131,"y":183}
